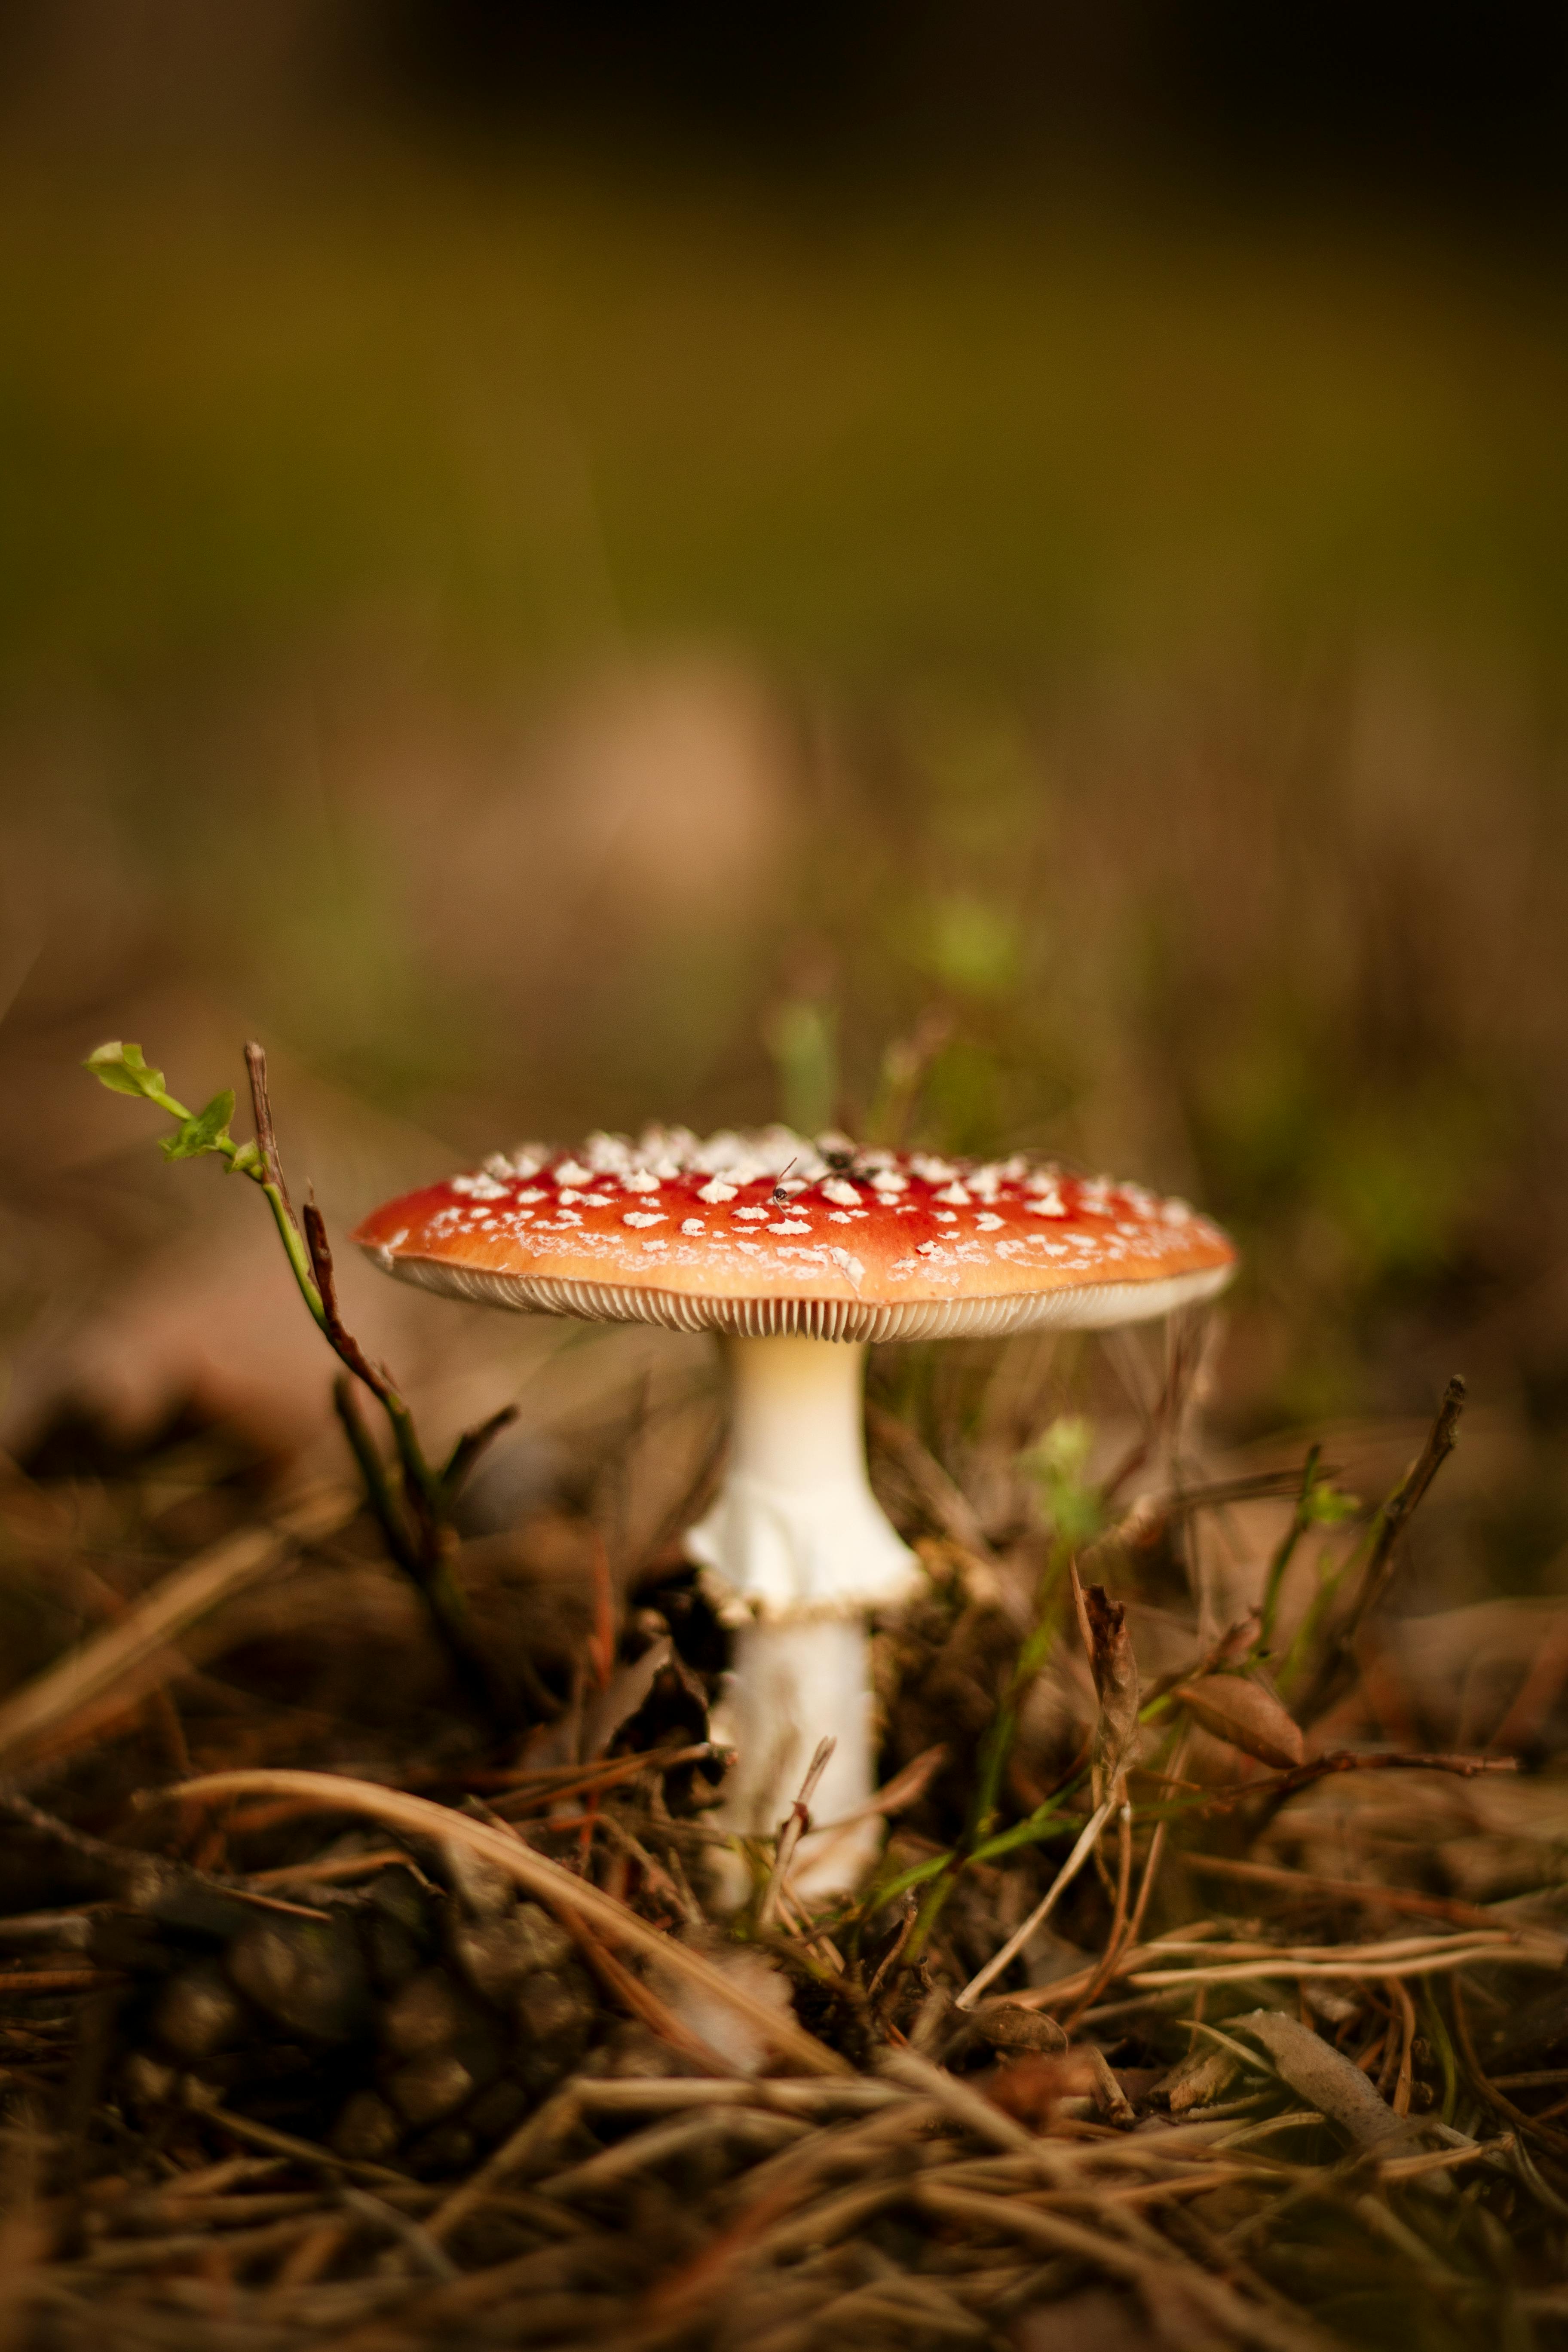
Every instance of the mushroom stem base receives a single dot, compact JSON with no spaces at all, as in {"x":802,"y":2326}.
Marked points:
{"x":792,"y":1686}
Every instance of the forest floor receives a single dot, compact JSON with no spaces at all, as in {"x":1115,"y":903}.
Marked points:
{"x":1210,"y":1990}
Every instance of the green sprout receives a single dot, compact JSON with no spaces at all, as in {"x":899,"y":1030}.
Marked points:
{"x":413,"y":1505}
{"x":1319,"y":1504}
{"x":124,"y":1070}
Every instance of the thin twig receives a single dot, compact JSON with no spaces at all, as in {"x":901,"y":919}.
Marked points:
{"x":1556,"y":2141}
{"x":658,"y":1880}
{"x":537,"y":1875}
{"x":1043,"y":1909}
{"x":1300,"y":1520}
{"x":901,"y":1791}
{"x":120,"y":1651}
{"x":792,"y":1828}
{"x":1406,"y":2009}
{"x":401,"y":2226}
{"x":1119,"y":1938}
{"x":1307,"y":1885}
{"x":1124,"y":1937}
{"x":376,"y":1381}
{"x":261,"y":1113}
{"x":525,"y":1793}
{"x":1280,"y":1786}
{"x":1244,"y":1962}
{"x":1337,"y":1664}
{"x":414,"y":1533}
{"x":254,"y":2134}
{"x":1167,"y":2280}
{"x":1340,"y":1971}
{"x":639,"y":2000}
{"x":33,"y":1980}
{"x":465,"y":1452}
{"x":547,"y":2128}
{"x":395,"y":1533}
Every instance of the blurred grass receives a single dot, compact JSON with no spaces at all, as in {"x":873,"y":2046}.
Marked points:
{"x":556,"y":649}
{"x":541,"y":407}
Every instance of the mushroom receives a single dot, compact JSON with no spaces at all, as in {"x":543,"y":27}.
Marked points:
{"x":798,"y":1254}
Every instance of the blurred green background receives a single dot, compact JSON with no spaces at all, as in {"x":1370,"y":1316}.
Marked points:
{"x":1015,"y":589}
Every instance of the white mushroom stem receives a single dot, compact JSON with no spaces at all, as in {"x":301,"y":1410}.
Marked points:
{"x":795,"y":1553}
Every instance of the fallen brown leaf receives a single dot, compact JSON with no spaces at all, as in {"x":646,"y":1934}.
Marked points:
{"x":1246,"y":1715}
{"x":1115,"y":1672}
{"x":1006,"y":2025}
{"x":1317,"y":2073}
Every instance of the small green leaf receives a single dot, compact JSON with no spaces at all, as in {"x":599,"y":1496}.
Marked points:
{"x":1326,"y":1505}
{"x":248,"y":1161}
{"x":1041,"y":1824}
{"x":207,"y":1131}
{"x":917,"y":1876}
{"x":1059,"y":1465}
{"x":122,"y":1070}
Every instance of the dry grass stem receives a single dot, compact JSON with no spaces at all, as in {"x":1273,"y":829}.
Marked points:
{"x":790,"y":1831}
{"x":91,"y":1675}
{"x":536,"y":1875}
{"x":1087,"y":1839}
{"x":509,"y":2126}
{"x":1307,"y":1885}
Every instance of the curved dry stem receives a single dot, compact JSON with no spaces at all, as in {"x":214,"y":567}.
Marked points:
{"x":539,"y":1877}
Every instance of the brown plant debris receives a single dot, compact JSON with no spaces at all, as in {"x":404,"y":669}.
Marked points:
{"x":331,"y":2017}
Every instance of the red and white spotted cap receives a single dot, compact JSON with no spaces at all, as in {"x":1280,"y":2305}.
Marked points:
{"x":765,"y":1233}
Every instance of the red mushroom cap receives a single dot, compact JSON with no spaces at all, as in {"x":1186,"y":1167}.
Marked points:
{"x":768,"y":1234}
